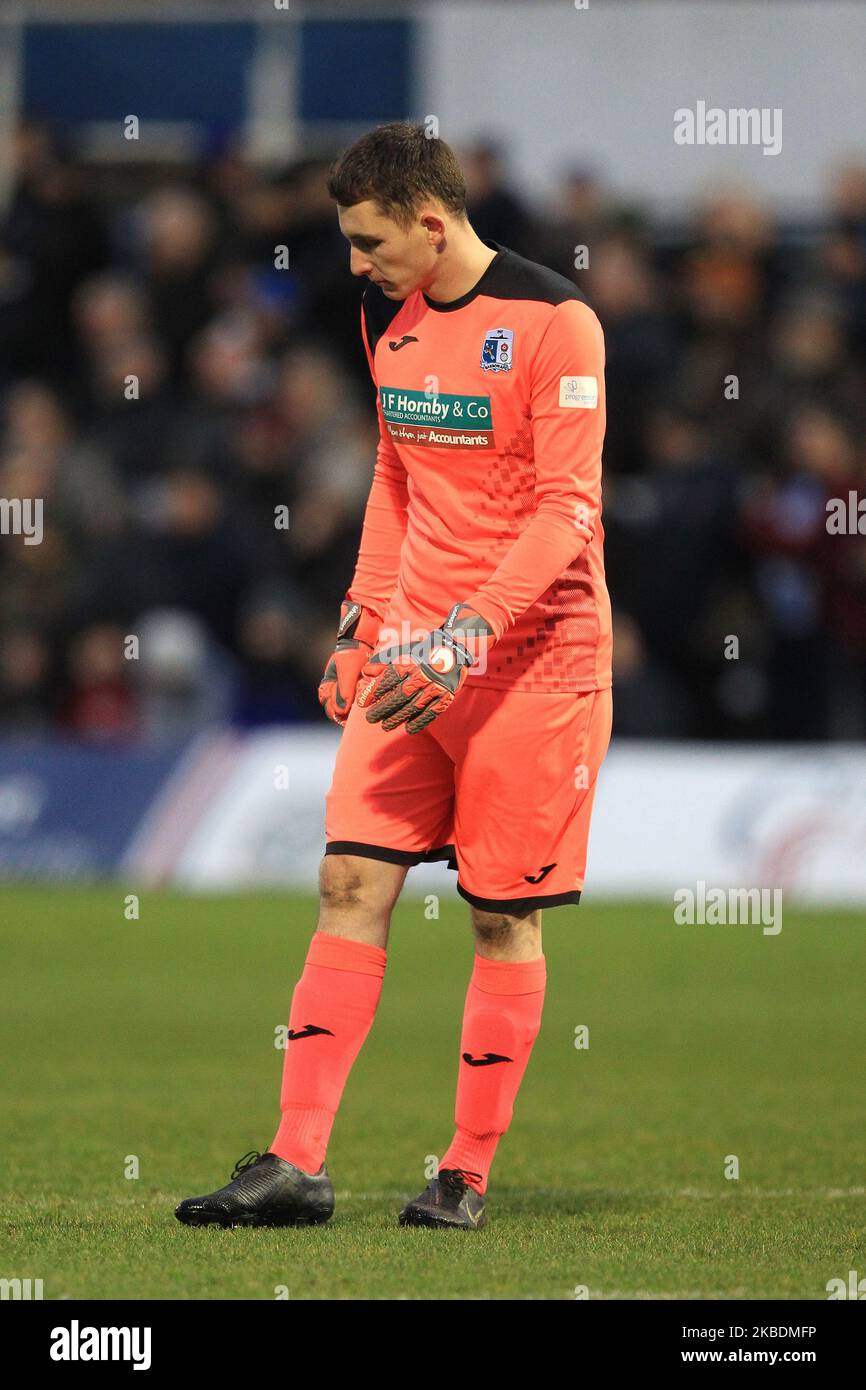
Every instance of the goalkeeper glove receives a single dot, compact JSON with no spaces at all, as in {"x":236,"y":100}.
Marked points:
{"x":356,"y":636}
{"x":413,"y":685}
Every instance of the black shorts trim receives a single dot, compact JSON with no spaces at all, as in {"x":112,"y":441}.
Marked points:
{"x":393,"y":856}
{"x":410,"y":857}
{"x":520,"y":904}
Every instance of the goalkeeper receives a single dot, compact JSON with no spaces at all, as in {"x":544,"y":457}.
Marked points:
{"x":471,"y":672}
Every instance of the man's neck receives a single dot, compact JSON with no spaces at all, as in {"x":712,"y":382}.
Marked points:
{"x":462,"y":271}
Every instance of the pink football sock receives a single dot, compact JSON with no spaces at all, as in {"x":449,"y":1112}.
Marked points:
{"x":501,"y":1020}
{"x":333,"y":1007}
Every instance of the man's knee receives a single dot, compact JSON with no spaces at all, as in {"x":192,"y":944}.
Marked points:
{"x":495,"y":929}
{"x":348,"y":881}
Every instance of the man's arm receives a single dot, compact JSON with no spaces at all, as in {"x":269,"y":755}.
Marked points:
{"x":568,"y":420}
{"x":385,"y":518}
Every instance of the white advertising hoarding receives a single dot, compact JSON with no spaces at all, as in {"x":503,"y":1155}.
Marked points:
{"x":248,"y":812}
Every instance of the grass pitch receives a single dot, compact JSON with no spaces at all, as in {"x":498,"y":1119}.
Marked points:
{"x":154,"y":1040}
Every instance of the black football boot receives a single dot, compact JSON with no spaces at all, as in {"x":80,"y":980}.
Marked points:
{"x":265,"y":1190}
{"x":447,"y":1201}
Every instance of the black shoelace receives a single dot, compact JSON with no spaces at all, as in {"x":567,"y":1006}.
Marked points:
{"x":456,"y":1180}
{"x":248,"y":1161}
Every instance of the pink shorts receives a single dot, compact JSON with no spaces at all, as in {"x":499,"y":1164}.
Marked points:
{"x":501,"y":785}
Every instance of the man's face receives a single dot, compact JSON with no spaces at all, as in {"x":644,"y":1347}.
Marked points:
{"x":397,"y":260}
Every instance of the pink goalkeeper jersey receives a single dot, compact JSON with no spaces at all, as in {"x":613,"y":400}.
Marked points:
{"x":487,"y":482}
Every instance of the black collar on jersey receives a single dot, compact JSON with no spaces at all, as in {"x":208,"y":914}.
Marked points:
{"x":477,"y":288}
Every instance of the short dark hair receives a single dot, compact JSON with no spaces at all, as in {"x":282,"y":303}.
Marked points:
{"x":397,"y":166}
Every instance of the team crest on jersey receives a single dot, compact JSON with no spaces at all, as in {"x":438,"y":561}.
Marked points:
{"x":498,"y":350}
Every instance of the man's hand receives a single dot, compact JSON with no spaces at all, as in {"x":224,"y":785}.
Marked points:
{"x":413,"y":685}
{"x":356,"y":637}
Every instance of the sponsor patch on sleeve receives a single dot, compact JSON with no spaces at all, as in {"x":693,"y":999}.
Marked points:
{"x":579,"y":392}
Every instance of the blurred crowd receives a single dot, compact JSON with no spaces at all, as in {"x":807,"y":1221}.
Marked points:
{"x":165,"y":388}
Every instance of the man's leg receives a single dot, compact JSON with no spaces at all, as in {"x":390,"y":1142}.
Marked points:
{"x":334,"y":1001}
{"x":504,"y":936}
{"x":357,"y":897}
{"x":501,"y":1020}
